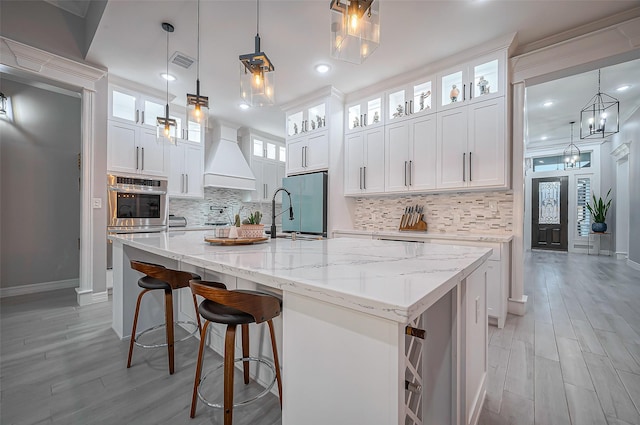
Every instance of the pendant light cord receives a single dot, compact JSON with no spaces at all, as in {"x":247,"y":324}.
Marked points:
{"x":257,"y":17}
{"x":167,"y":75}
{"x":198,"y":69}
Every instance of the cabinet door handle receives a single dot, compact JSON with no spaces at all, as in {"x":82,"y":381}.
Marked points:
{"x":405,"y":173}
{"x":186,"y":177}
{"x":360,"y":177}
{"x":411,"y":106}
{"x":464,"y":92}
{"x":405,"y":108}
{"x":470,"y":97}
{"x":181,"y":183}
{"x":137,"y":115}
{"x":464,"y":166}
{"x":365,"y":120}
{"x":364,"y":178}
{"x":142,"y":168}
{"x":470,"y":166}
{"x":137,"y":156}
{"x":410,"y":173}
{"x":142,"y":117}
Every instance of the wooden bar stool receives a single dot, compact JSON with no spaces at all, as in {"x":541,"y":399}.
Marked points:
{"x":237,"y":307}
{"x":160,"y":277}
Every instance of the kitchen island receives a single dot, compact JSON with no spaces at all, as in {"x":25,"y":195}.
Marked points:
{"x":347,"y":307}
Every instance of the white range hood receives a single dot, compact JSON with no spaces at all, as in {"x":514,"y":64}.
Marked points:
{"x":224,"y":165}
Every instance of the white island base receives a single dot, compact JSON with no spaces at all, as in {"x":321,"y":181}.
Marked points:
{"x":346,"y":358}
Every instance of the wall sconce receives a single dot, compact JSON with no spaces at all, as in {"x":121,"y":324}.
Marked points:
{"x":3,"y":104}
{"x":355,"y":29}
{"x":257,"y":76}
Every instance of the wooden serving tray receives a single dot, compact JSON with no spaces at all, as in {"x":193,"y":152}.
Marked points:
{"x":238,"y":241}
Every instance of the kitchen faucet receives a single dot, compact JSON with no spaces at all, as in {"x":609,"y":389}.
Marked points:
{"x":273,"y":211}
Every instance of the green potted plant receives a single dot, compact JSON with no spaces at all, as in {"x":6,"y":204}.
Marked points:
{"x":598,"y":211}
{"x":251,"y":226}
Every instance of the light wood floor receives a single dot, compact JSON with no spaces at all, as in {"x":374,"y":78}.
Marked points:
{"x":574,"y":358}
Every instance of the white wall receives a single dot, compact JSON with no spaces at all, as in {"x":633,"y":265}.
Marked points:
{"x":630,"y":133}
{"x":39,"y":186}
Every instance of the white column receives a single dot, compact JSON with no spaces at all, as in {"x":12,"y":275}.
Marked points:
{"x":517,"y":299}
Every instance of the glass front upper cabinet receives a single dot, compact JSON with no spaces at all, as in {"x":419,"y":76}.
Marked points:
{"x":412,"y":99}
{"x":309,"y":119}
{"x":131,"y":107}
{"x":365,"y":113}
{"x":473,"y":81}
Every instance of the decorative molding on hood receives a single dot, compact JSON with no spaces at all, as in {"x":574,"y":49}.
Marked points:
{"x":225,"y":166}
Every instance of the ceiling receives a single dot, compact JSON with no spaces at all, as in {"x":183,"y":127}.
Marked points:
{"x":550,"y":125}
{"x":295,"y":34}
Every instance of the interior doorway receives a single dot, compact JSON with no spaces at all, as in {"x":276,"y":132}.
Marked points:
{"x":549,"y":219}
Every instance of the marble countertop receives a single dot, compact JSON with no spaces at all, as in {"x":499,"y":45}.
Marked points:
{"x":471,"y":237}
{"x":389,"y":279}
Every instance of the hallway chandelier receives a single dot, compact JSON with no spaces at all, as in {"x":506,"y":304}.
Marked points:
{"x":257,"y":73}
{"x":197,"y":105}
{"x":599,"y":118}
{"x":355,"y":29}
{"x":571,"y":154}
{"x":166,"y":126}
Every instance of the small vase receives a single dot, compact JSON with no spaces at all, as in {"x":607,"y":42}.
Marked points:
{"x":599,"y":227}
{"x":233,"y":232}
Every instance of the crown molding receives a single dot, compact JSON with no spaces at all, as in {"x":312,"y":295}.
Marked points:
{"x":24,"y":57}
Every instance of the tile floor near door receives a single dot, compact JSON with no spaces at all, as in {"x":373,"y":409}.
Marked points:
{"x":574,"y":358}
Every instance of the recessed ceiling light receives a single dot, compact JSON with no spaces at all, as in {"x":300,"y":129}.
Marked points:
{"x":623,"y":88}
{"x":544,"y":138}
{"x":243,"y":106}
{"x":322,"y":68}
{"x":168,"y":77}
{"x":547,"y":103}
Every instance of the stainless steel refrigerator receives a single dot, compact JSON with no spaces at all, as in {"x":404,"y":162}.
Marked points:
{"x":309,"y":202}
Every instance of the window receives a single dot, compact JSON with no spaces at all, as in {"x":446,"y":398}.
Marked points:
{"x":283,"y":154}
{"x":556,"y":162}
{"x":258,"y":148}
{"x":583,"y":218}
{"x":271,"y":151}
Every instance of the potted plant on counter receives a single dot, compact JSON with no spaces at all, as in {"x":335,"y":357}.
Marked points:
{"x":598,"y":211}
{"x":251,"y":226}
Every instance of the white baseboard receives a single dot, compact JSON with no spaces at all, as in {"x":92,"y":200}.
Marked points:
{"x":87,"y":297}
{"x":34,"y":288}
{"x":621,"y":255}
{"x":633,"y":264}
{"x":517,"y":307}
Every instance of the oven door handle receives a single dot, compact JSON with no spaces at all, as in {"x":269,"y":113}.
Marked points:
{"x":147,"y":192}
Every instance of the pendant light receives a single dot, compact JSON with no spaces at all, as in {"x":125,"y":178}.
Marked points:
{"x":571,"y":154}
{"x":166,"y":127}
{"x":257,"y":76}
{"x":599,"y":118}
{"x":355,"y":29}
{"x":197,"y":105}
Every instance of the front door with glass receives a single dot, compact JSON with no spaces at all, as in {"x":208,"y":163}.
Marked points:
{"x":549,"y":213}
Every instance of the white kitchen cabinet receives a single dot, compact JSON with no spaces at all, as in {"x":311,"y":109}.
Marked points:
{"x":410,"y":100}
{"x":134,"y":149}
{"x":472,"y":146}
{"x":474,"y":298}
{"x":267,"y":158}
{"x":131,"y":107}
{"x":480,"y":79}
{"x":364,"y":114}
{"x":364,"y":161}
{"x":410,"y":149}
{"x":308,"y":153}
{"x":186,"y":171}
{"x":307,"y":119}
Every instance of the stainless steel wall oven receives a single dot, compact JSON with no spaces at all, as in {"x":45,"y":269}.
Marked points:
{"x":136,"y":205}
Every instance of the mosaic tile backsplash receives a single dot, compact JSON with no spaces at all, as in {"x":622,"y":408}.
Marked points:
{"x":225,"y":202}
{"x":474,"y":212}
